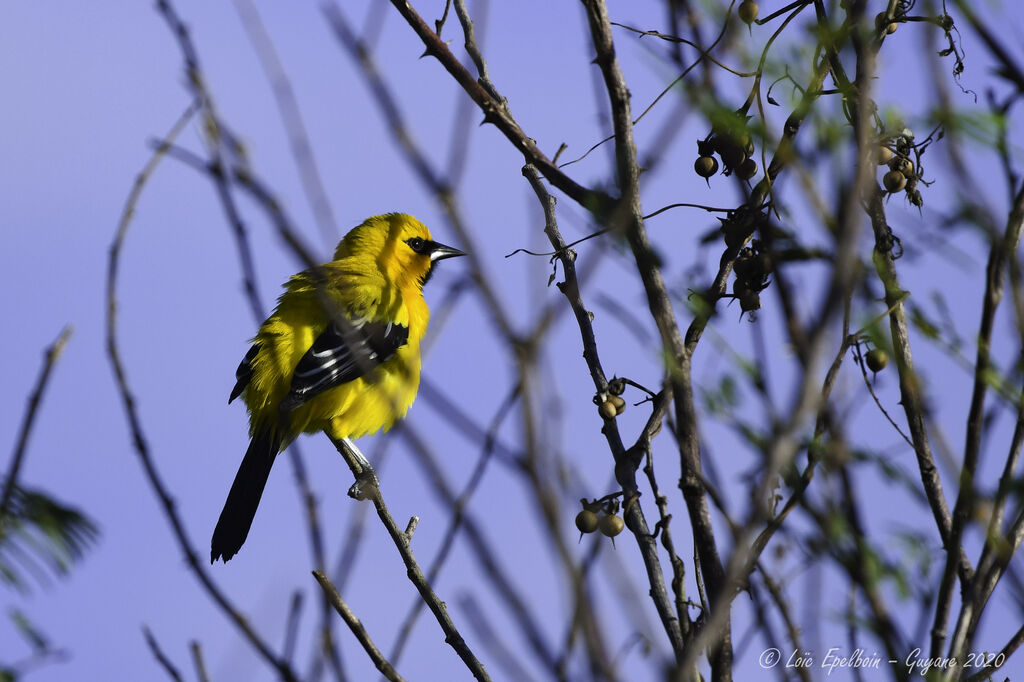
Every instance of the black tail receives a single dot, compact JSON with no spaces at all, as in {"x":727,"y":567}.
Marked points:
{"x":244,"y":497}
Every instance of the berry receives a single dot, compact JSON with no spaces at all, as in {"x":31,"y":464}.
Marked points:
{"x":611,"y":525}
{"x":876,"y":359}
{"x":894,"y":181}
{"x":586,"y":521}
{"x":747,"y":11}
{"x":706,"y":166}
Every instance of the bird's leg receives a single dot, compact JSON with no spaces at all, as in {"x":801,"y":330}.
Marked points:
{"x":367,"y":485}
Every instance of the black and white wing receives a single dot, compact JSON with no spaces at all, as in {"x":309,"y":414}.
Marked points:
{"x":244,"y":372}
{"x":338,"y":356}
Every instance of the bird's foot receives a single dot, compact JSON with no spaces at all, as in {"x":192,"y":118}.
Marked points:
{"x":366,"y":486}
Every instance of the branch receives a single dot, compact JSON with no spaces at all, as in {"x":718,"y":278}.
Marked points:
{"x":630,"y":214}
{"x":458,"y":512}
{"x":355,"y":460}
{"x":625,"y":466}
{"x":331,"y":593}
{"x":159,"y":655}
{"x":491,"y":568}
{"x":1007,"y":651}
{"x":50,"y":357}
{"x":135,"y":423}
{"x":496,"y":113}
{"x":291,"y":117}
{"x":995,"y":274}
{"x":197,"y":658}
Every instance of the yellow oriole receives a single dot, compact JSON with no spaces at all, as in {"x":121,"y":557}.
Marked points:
{"x":349,"y":371}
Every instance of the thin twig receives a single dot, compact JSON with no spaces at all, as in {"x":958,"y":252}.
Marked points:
{"x":457,"y":517}
{"x":357,"y":628}
{"x":625,"y":467}
{"x":291,"y":630}
{"x":357,"y":461}
{"x":135,"y":424}
{"x":1001,"y":251}
{"x":50,"y":357}
{"x":197,"y":658}
{"x":496,"y":642}
{"x":478,"y":540}
{"x":1003,"y":656}
{"x":495,"y":113}
{"x":291,"y":117}
{"x":158,"y":654}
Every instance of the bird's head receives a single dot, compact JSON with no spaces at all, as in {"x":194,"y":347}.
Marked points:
{"x":400,"y":245}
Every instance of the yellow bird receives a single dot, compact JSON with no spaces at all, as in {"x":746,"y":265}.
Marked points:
{"x":340,"y":354}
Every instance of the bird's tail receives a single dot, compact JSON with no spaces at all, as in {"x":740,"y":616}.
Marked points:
{"x":244,"y":497}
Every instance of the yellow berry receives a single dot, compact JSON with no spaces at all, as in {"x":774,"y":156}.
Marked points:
{"x":894,"y":181}
{"x":611,"y":525}
{"x":747,"y":11}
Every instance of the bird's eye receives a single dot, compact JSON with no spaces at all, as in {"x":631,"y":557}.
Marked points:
{"x":416,"y":244}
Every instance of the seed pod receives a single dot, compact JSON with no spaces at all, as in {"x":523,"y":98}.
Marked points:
{"x":607,"y":410}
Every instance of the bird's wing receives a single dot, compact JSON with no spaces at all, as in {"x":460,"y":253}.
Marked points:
{"x":244,"y":372}
{"x":338,"y":356}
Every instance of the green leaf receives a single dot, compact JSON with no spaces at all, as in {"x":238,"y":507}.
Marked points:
{"x":37,"y":534}
{"x":26,"y":629}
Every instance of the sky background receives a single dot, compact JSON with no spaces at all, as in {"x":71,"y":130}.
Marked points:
{"x":87,"y":89}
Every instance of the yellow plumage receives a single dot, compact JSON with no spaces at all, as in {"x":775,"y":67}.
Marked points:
{"x":307,"y":373}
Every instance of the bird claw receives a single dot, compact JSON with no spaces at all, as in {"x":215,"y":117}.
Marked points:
{"x":366,"y":486}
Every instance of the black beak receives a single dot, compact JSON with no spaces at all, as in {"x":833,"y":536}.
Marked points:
{"x":440,"y":252}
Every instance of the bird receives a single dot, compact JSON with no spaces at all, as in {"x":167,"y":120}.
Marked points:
{"x":339,"y":354}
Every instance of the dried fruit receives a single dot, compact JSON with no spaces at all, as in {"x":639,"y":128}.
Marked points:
{"x":607,"y":409}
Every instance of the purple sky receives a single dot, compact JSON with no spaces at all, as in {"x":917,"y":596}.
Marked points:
{"x":86,"y":90}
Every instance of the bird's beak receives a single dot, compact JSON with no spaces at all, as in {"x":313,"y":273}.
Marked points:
{"x":440,"y":252}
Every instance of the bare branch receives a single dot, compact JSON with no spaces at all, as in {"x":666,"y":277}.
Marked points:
{"x":357,"y":628}
{"x":361,"y":467}
{"x":50,"y":357}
